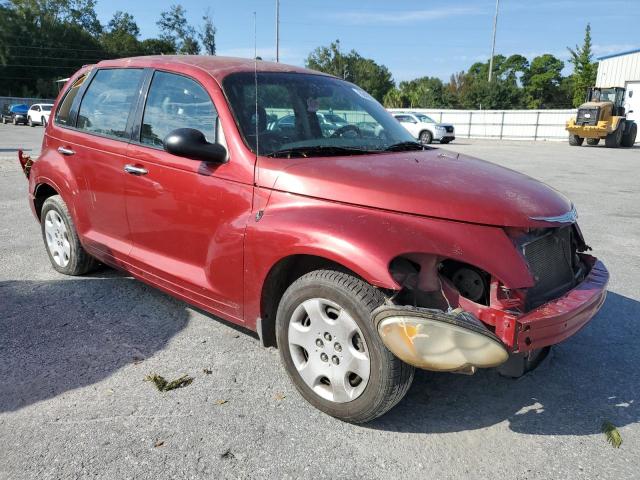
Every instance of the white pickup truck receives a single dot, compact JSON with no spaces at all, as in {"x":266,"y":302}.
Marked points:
{"x":424,"y":128}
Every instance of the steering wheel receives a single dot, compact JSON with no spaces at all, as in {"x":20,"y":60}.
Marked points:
{"x":339,"y":132}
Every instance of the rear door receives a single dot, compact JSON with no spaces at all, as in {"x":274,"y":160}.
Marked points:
{"x":187,"y":220}
{"x":97,"y":143}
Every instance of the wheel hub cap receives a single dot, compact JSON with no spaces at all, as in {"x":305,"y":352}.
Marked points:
{"x":57,"y":238}
{"x":328,"y":350}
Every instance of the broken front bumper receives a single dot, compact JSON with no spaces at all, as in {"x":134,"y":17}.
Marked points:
{"x":557,"y":320}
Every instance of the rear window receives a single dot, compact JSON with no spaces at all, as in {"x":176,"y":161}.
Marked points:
{"x":62,"y":115}
{"x":106,"y":105}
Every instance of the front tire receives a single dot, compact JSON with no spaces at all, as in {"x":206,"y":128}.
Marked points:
{"x":43,"y":121}
{"x":593,"y":141}
{"x":426,"y":137}
{"x":630,"y":137}
{"x":61,"y":239}
{"x":575,"y":140}
{"x":614,"y":139}
{"x":332,"y":351}
{"x":30,"y":122}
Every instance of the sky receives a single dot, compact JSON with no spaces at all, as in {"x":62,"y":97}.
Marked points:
{"x":412,"y":38}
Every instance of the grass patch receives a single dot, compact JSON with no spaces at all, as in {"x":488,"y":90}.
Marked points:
{"x":163,"y":385}
{"x":613,"y":435}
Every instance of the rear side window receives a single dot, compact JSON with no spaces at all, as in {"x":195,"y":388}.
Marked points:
{"x":106,"y":105}
{"x":174,"y":102}
{"x":62,"y":115}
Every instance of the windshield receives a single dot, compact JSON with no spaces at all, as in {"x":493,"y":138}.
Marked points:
{"x":297,"y":111}
{"x":425,"y":118}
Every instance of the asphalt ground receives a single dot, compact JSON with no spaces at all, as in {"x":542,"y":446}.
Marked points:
{"x":74,"y":353}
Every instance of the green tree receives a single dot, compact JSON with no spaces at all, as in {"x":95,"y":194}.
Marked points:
{"x":120,"y":37}
{"x":426,"y":92}
{"x":502,"y":93}
{"x":394,"y":99}
{"x":80,"y":13}
{"x":208,"y":34}
{"x":44,"y":40}
{"x":542,"y":82}
{"x":364,"y":72}
{"x":584,"y":68}
{"x":125,"y":23}
{"x":157,"y":46}
{"x":175,"y":28}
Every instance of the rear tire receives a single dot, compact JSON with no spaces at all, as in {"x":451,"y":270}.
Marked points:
{"x":61,"y":240}
{"x":575,"y":140}
{"x":630,"y":137}
{"x":614,"y":139}
{"x":426,"y":137}
{"x":315,"y":313}
{"x":593,"y":141}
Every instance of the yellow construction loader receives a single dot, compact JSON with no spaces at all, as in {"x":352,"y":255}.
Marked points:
{"x":603,"y":116}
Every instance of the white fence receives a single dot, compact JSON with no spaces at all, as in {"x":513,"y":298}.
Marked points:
{"x":503,"y":124}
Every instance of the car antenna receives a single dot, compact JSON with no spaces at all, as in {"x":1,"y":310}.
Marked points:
{"x":255,"y":82}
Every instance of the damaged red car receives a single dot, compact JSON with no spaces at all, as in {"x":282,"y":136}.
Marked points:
{"x":291,"y":203}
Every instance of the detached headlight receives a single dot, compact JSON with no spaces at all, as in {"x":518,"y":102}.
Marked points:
{"x":436,"y":340}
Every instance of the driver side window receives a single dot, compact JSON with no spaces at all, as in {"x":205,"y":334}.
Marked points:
{"x":175,"y":101}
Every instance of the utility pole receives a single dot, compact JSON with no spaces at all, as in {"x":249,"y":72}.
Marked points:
{"x":277,"y":30}
{"x":493,"y":43}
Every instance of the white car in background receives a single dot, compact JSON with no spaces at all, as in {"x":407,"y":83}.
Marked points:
{"x":424,"y":128}
{"x":38,"y":114}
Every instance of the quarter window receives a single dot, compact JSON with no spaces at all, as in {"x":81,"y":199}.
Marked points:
{"x":106,"y":105}
{"x":62,"y":114}
{"x":174,"y":102}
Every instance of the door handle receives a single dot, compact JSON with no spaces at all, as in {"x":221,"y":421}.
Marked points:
{"x":65,"y":151}
{"x":133,"y":170}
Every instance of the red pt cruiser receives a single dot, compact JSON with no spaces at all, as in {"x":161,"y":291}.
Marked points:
{"x":290,"y":202}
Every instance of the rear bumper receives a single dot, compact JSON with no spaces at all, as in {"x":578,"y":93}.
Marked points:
{"x":557,"y":320}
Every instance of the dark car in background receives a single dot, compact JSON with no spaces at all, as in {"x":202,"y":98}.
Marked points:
{"x":15,"y":114}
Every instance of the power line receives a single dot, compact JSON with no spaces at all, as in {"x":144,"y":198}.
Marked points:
{"x":68,"y":67}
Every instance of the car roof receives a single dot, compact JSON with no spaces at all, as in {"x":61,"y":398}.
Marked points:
{"x":217,"y":67}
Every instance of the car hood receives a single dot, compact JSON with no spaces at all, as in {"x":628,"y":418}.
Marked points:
{"x":432,"y":183}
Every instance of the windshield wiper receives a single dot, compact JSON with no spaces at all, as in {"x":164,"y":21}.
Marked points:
{"x":405,"y":147}
{"x":318,"y":151}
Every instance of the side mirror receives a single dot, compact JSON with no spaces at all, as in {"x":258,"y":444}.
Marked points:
{"x":630,"y":111}
{"x":191,"y":143}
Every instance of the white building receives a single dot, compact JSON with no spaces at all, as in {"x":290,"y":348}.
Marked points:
{"x":622,"y":70}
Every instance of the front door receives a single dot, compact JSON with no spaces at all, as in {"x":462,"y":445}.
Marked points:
{"x":187,"y":222}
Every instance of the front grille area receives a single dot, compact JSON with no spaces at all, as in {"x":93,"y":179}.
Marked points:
{"x":588,"y":116}
{"x":551,"y":260}
{"x":449,"y":129}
